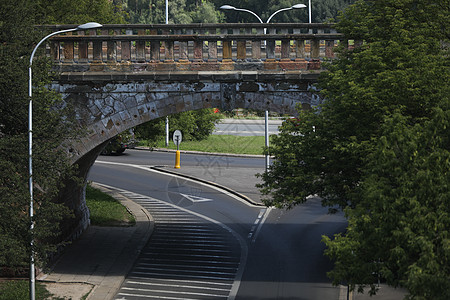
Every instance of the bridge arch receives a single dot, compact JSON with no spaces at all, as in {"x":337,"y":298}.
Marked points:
{"x":106,"y":109}
{"x":120,"y":76}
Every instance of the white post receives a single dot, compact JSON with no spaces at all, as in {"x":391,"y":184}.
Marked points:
{"x":266,"y":134}
{"x":309,"y":11}
{"x":167,"y":11}
{"x":167,"y":118}
{"x":30,"y":179}
{"x":167,"y":132}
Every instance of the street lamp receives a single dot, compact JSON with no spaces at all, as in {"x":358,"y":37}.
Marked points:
{"x":229,"y":7}
{"x":296,"y":6}
{"x":266,"y":116}
{"x":86,"y":26}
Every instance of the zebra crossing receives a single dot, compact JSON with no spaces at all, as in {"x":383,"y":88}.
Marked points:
{"x":189,"y":257}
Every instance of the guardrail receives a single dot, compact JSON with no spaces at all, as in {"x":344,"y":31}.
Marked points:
{"x":195,"y":46}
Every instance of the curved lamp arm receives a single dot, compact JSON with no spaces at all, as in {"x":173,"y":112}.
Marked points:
{"x":90,"y":25}
{"x":229,"y":7}
{"x":296,"y":6}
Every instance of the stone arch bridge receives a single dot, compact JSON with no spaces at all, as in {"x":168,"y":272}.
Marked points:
{"x":121,"y":76}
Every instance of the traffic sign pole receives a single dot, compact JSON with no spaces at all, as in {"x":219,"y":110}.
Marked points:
{"x":177,"y":137}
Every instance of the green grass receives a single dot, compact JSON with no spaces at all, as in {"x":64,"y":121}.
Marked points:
{"x":221,"y":144}
{"x":107,"y":211}
{"x":19,"y":289}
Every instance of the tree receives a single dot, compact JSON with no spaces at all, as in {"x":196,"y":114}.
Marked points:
{"x":78,"y":12}
{"x":400,"y":227}
{"x":153,"y":11}
{"x":52,"y":127}
{"x":380,"y":97}
{"x":205,"y":12}
{"x":180,"y":11}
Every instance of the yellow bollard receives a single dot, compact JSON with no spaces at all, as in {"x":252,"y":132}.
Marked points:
{"x":177,"y":160}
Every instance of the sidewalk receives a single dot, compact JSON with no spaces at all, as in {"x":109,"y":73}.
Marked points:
{"x":99,"y":260}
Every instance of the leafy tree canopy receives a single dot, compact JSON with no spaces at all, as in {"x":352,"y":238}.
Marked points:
{"x":378,"y":148}
{"x":77,"y":12}
{"x":52,"y":126}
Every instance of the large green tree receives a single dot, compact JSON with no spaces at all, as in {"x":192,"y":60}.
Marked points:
{"x":399,"y":229}
{"x":17,"y":39}
{"x":52,"y":126}
{"x":378,"y":147}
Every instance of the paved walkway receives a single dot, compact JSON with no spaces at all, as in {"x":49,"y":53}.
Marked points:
{"x":99,"y":260}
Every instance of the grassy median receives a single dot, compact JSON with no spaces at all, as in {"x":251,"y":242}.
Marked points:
{"x":107,"y":211}
{"x":220,"y":144}
{"x":19,"y":289}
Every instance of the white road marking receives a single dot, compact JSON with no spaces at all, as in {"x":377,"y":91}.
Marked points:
{"x":195,"y":199}
{"x":263,"y":214}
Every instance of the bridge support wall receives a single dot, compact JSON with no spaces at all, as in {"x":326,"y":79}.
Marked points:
{"x":106,"y":107}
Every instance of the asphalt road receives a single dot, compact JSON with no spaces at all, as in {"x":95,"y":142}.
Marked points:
{"x":244,"y":127}
{"x":252,"y":252}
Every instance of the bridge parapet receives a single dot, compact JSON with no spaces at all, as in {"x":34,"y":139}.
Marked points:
{"x":195,"y":47}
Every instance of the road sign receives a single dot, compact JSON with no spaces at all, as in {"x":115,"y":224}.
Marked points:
{"x":177,"y":137}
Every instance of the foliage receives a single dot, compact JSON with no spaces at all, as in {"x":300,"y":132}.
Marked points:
{"x":52,"y":126}
{"x":206,"y":13}
{"x":77,"y":12}
{"x":378,"y":147}
{"x":194,"y":125}
{"x":400,"y":228}
{"x":180,"y":11}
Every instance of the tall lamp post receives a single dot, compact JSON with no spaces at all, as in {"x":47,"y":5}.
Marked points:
{"x":309,"y":11}
{"x":86,"y":26}
{"x":266,"y":115}
{"x":167,"y":118}
{"x":167,"y":11}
